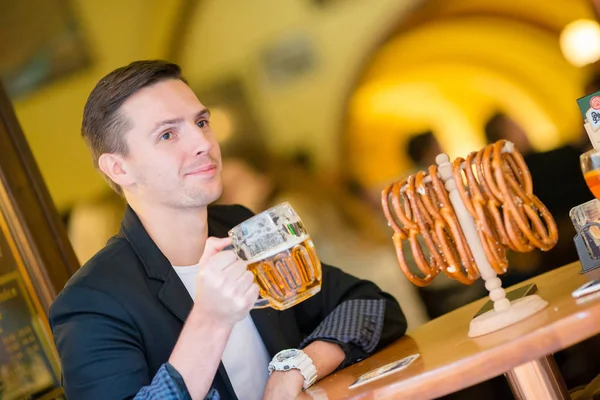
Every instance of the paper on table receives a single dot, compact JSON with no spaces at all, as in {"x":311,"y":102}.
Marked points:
{"x":384,"y":371}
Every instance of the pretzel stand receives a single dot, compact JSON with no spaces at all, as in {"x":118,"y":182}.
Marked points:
{"x":505,"y":312}
{"x":467,"y":213}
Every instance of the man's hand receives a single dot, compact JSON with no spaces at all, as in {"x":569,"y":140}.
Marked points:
{"x":225,"y":293}
{"x":225,"y":289}
{"x":326,"y":358}
{"x":284,"y":385}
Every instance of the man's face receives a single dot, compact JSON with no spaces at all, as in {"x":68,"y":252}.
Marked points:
{"x":174,"y":159}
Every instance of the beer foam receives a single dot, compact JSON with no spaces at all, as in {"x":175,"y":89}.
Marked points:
{"x":278,"y":249}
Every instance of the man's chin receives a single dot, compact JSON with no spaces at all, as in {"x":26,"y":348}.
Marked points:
{"x":216,"y":196}
{"x":206,"y":196}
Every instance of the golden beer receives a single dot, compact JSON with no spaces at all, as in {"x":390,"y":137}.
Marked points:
{"x":277,"y":249}
{"x":288,"y":274}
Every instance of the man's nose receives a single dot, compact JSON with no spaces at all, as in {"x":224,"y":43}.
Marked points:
{"x":198,"y":140}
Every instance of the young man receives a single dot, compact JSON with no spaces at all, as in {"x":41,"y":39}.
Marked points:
{"x":163,"y":311}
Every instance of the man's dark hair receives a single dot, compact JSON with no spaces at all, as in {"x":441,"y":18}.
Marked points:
{"x":104,"y":126}
{"x":418,"y":146}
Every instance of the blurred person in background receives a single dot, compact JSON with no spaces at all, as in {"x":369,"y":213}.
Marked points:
{"x":422,"y":149}
{"x":501,"y":127}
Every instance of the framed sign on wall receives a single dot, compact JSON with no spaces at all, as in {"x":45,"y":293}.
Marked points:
{"x":40,"y":41}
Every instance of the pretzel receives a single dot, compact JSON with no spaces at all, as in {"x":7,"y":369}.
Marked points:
{"x":454,"y":236}
{"x":419,"y":211}
{"x":522,"y":206}
{"x":495,"y":186}
{"x":475,"y":201}
{"x":401,"y":234}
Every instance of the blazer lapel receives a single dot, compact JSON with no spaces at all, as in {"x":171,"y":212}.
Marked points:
{"x":175,"y":297}
{"x":172,"y":293}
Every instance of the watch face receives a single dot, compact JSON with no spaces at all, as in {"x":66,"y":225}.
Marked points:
{"x":287,"y":354}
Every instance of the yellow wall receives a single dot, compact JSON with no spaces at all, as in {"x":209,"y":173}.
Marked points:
{"x":117,"y":32}
{"x":228,"y":36}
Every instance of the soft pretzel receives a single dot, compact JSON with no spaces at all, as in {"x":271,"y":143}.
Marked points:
{"x":419,"y":211}
{"x":496,"y":188}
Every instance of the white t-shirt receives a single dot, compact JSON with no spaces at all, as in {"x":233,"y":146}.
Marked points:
{"x":245,"y":357}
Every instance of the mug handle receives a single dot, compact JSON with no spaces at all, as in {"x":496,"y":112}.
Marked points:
{"x":261,"y":302}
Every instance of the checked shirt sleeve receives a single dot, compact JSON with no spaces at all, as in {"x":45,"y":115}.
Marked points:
{"x":169,"y":384}
{"x":355,"y":325}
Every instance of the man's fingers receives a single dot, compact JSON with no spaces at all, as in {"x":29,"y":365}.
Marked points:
{"x":213,"y":246}
{"x":235,"y":270}
{"x":252,"y":294}
{"x":221,"y":261}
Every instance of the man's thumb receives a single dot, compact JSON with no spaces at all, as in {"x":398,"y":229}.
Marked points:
{"x":213,"y":246}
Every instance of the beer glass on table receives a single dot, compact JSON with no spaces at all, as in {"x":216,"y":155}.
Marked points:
{"x":590,"y":166}
{"x":279,"y":252}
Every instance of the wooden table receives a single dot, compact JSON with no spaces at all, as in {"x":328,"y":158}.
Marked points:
{"x":451,"y":361}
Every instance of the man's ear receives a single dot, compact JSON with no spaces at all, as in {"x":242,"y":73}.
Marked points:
{"x":115,"y":167}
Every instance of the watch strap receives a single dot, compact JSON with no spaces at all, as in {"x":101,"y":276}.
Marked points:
{"x":301,"y":362}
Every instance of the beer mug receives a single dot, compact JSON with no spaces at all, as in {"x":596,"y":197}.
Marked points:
{"x":279,"y":252}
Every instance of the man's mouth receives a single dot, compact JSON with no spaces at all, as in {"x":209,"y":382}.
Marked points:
{"x":205,"y":169}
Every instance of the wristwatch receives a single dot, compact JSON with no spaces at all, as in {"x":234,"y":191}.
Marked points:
{"x":289,"y":359}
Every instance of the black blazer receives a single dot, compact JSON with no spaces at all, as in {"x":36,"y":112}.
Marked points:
{"x":118,"y":318}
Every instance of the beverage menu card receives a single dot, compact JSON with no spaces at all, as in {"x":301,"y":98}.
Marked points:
{"x":590,"y":109}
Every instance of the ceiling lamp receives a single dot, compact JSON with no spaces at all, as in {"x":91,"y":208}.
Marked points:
{"x":580,"y":42}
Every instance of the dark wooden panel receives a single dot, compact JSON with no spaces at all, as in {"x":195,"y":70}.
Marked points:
{"x":31,"y":215}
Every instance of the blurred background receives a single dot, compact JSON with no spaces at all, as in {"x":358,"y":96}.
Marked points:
{"x":322,"y":103}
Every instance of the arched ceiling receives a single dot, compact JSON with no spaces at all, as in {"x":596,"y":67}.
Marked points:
{"x":450,"y":66}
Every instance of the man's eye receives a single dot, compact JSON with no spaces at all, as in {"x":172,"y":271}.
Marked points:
{"x":202,"y":123}
{"x":166,"y":136}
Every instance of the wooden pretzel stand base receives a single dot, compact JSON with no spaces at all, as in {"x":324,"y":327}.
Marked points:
{"x":495,"y":320}
{"x":505,"y":312}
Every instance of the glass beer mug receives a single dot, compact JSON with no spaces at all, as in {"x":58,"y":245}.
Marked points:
{"x":279,"y":252}
{"x":590,"y":166}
